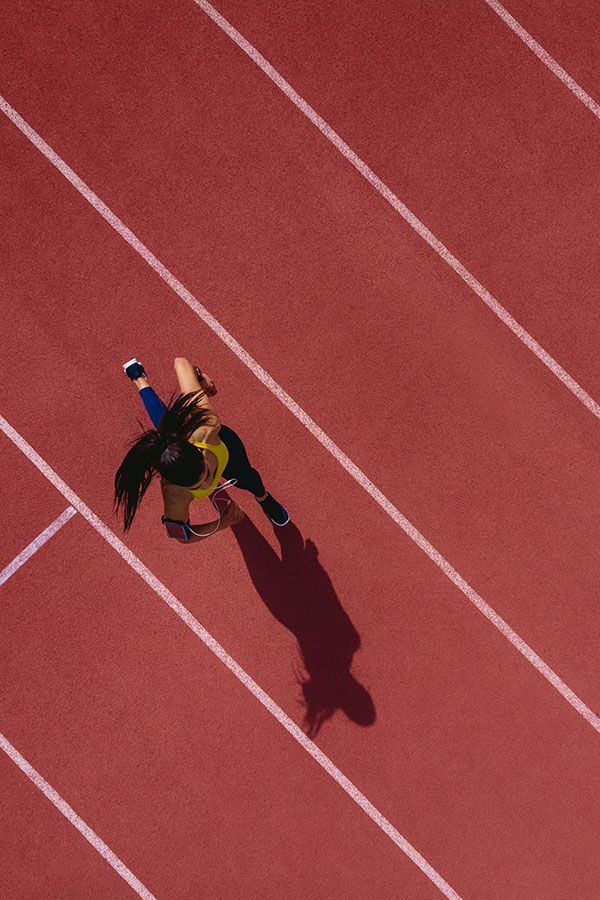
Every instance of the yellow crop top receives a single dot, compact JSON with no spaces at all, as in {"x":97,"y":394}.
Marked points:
{"x":222,"y":453}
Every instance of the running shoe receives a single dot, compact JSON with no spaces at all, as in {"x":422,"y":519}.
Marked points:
{"x":275,"y":511}
{"x":134,"y":369}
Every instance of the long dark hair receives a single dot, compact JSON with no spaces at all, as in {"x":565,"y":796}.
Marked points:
{"x":165,"y":451}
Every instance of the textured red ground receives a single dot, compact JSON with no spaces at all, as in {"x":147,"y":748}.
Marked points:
{"x":464,"y":429}
{"x":471,"y":755}
{"x":570,"y":32}
{"x":171,"y":760}
{"x":472,"y":132}
{"x":42,"y":855}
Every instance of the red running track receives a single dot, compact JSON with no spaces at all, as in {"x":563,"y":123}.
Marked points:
{"x":472,"y":756}
{"x":472,"y":132}
{"x":569,"y":32}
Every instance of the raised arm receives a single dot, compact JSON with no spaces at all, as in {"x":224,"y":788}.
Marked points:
{"x":189,"y":381}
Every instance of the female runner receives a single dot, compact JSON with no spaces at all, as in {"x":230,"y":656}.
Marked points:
{"x":190,"y":449}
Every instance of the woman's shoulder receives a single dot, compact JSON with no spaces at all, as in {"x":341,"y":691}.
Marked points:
{"x":208,"y":434}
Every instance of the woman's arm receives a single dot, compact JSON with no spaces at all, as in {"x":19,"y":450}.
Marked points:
{"x":189,"y":381}
{"x":201,"y":532}
{"x":177,"y":507}
{"x":176,"y":501}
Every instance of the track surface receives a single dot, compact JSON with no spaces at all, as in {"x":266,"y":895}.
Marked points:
{"x":472,"y":756}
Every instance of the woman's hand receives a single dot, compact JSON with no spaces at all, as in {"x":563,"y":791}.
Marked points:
{"x":206,"y":381}
{"x":232,"y":514}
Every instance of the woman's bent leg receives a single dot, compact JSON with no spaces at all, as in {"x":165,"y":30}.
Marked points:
{"x":238,"y":466}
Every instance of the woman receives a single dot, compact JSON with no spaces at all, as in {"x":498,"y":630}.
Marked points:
{"x":190,"y":449}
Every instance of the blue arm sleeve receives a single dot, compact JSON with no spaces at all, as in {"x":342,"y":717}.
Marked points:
{"x":154,"y":405}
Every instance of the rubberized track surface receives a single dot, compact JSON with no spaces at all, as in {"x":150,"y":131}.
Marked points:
{"x":443,"y":726}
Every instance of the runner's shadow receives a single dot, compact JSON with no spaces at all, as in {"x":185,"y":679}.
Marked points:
{"x":298,"y":592}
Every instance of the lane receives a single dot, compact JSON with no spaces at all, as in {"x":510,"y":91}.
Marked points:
{"x":441,"y":724}
{"x":171,"y":760}
{"x":42,"y":504}
{"x":467,"y":127}
{"x":41,"y":853}
{"x":570,"y":32}
{"x":509,"y":499}
{"x":36,"y":545}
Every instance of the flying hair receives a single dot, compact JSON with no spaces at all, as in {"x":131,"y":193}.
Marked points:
{"x":165,"y":450}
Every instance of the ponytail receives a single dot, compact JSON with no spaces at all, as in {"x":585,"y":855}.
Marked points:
{"x":165,"y":450}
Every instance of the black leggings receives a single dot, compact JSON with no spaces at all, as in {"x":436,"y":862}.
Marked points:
{"x":238,"y":466}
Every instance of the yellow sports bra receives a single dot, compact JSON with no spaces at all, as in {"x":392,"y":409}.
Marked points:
{"x":222,"y":453}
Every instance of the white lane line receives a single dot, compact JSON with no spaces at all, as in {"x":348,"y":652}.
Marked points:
{"x":296,"y":410}
{"x":545,"y":57}
{"x":70,"y":814}
{"x":400,"y":208}
{"x":35,"y":545}
{"x":185,"y":615}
